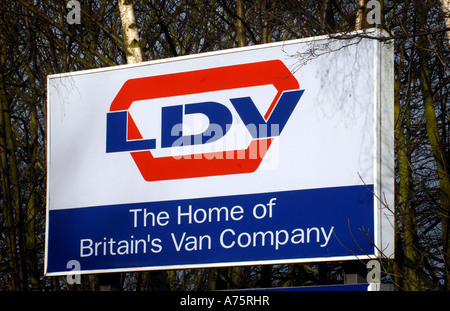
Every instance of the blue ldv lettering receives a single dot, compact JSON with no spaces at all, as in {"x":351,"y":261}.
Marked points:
{"x":220,"y":120}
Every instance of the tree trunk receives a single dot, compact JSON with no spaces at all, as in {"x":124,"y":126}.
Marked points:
{"x":360,"y":15}
{"x":326,"y":17}
{"x":439,"y":156}
{"x":130,"y":32}
{"x":240,"y":31}
{"x":436,"y":145}
{"x":406,"y":213}
{"x":7,"y":206}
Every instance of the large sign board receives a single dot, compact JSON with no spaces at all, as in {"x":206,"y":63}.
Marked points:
{"x":277,"y":153}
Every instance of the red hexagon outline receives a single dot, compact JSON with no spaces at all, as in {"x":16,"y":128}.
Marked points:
{"x":207,"y":80}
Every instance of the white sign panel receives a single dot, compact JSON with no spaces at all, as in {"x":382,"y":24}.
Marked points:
{"x":276,"y":153}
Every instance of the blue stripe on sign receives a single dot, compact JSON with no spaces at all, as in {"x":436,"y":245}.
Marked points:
{"x":287,"y":225}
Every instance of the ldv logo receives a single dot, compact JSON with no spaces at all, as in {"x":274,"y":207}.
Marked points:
{"x":123,"y":135}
